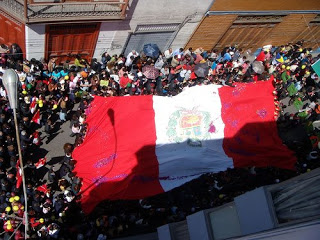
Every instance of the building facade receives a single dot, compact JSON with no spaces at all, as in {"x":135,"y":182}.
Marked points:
{"x":251,"y":24}
{"x":56,"y":28}
{"x":63,"y":28}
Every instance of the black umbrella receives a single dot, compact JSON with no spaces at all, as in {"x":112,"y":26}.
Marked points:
{"x":151,"y":50}
{"x":201,"y":70}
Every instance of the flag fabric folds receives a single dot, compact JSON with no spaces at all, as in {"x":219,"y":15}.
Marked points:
{"x":43,"y":188}
{"x":18,"y":174}
{"x":41,"y":162}
{"x":140,"y":146}
{"x":33,"y":105}
{"x":36,"y":117}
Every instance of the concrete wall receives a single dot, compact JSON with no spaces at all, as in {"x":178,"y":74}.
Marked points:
{"x":164,"y":232}
{"x":254,"y":211}
{"x":113,"y":35}
{"x":198,"y":227}
{"x":35,"y":41}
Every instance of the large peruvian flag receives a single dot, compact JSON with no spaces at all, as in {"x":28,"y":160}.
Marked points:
{"x":139,"y":146}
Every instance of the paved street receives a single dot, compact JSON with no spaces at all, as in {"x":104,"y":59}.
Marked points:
{"x":53,"y":149}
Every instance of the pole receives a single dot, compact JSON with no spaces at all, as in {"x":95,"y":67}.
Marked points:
{"x":26,"y":227}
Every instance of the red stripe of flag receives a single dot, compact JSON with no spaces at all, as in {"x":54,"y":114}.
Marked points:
{"x":118,"y":154}
{"x":251,"y":134}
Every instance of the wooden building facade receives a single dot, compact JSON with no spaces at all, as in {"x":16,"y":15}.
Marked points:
{"x":251,"y":24}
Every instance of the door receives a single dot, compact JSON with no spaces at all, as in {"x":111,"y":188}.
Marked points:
{"x":66,"y":41}
{"x":12,"y":31}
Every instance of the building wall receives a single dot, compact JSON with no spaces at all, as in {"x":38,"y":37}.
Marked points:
{"x":110,"y":38}
{"x":264,"y":5}
{"x":114,"y":35}
{"x":291,"y":27}
{"x":167,"y":11}
{"x":35,"y":41}
{"x":12,"y":31}
{"x":210,"y":31}
{"x":218,"y":30}
{"x":310,"y":35}
{"x":195,"y":30}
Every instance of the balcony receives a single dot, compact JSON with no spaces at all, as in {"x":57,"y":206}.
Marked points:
{"x":53,"y":11}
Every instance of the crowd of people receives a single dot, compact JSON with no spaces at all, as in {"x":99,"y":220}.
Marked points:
{"x":51,"y":93}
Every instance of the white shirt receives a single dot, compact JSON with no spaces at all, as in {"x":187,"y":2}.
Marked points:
{"x":3,"y":92}
{"x":165,"y":71}
{"x":128,"y":62}
{"x":115,"y":77}
{"x":22,"y":76}
{"x":76,"y":79}
{"x":132,"y":54}
{"x":235,"y":64}
{"x":81,"y":120}
{"x":167,"y":54}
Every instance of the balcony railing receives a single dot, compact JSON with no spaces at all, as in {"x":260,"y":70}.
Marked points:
{"x":49,"y":11}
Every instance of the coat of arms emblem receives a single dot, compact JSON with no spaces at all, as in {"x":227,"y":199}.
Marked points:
{"x":192,"y":126}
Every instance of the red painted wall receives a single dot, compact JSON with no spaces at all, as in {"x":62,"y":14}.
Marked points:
{"x":12,"y":31}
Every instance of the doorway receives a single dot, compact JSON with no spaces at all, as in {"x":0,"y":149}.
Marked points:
{"x":66,"y":41}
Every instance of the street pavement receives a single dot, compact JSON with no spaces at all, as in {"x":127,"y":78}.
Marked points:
{"x":52,"y":148}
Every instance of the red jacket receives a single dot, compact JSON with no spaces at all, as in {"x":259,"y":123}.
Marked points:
{"x":261,"y":57}
{"x":124,"y":81}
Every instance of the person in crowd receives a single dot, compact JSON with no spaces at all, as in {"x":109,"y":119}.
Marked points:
{"x":79,"y":62}
{"x":51,"y":89}
{"x":168,"y":54}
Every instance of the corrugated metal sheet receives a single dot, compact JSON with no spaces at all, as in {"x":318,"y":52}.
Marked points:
{"x":137,"y":41}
